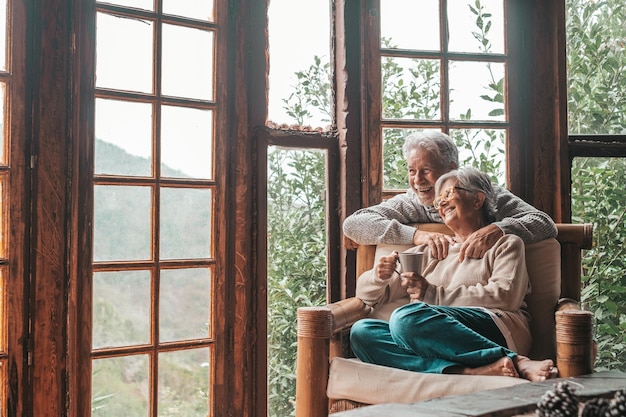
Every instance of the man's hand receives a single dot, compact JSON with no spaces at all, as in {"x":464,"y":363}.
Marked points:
{"x":386,"y":266}
{"x":480,"y":242}
{"x":437,"y":242}
{"x":415,"y":285}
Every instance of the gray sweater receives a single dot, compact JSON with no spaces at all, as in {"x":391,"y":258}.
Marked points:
{"x":389,"y":221}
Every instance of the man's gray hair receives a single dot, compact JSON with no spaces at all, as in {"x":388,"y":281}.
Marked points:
{"x":437,"y":143}
{"x":474,"y":180}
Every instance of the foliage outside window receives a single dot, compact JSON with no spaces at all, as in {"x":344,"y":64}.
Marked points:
{"x":596,"y":41}
{"x":296,"y":261}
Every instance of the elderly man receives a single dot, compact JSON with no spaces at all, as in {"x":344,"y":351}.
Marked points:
{"x":429,"y":155}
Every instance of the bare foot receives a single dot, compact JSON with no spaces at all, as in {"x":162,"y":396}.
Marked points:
{"x":502,"y":367}
{"x":535,"y":370}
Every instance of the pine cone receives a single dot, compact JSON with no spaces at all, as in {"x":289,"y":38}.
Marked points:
{"x":596,"y":407}
{"x":617,"y":405}
{"x":559,"y":402}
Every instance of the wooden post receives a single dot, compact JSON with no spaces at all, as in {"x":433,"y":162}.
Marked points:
{"x":314,"y":332}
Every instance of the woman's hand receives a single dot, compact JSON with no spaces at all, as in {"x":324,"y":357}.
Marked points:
{"x":386,"y":266}
{"x":415,"y":285}
{"x":438,"y":243}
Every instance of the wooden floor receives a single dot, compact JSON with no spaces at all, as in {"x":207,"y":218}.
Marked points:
{"x":516,"y":401}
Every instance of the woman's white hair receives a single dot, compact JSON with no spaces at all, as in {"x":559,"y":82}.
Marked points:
{"x":474,"y":180}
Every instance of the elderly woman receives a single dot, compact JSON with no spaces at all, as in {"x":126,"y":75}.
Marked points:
{"x":465,"y":317}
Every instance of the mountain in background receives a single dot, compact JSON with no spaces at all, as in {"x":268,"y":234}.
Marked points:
{"x":111,"y":159}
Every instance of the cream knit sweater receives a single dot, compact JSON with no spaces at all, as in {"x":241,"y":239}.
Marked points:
{"x":498,"y":283}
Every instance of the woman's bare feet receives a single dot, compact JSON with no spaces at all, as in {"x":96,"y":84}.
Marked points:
{"x":519,"y":366}
{"x":534,"y":370}
{"x":502,"y":367}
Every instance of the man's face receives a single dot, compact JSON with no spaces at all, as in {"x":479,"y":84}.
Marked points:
{"x":423,"y":173}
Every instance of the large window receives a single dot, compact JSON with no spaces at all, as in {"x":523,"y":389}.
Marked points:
{"x":596,"y":77}
{"x":154,"y":202}
{"x":443,"y":66}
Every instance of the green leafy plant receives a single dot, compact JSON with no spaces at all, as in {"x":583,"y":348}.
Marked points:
{"x":596,"y":32}
{"x":296,"y":261}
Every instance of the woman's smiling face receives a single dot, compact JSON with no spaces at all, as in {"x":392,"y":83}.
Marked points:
{"x":458,"y":206}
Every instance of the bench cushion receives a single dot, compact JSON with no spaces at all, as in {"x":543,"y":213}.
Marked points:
{"x":358,"y":381}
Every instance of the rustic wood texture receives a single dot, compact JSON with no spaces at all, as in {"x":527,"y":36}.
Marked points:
{"x":16,"y":281}
{"x":242,"y":352}
{"x":49,"y":274}
{"x":505,"y":402}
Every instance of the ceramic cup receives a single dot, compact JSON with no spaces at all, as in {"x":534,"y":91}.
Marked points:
{"x":411,"y":261}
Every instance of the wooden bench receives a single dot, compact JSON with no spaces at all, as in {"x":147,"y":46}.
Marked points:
{"x":322,"y":331}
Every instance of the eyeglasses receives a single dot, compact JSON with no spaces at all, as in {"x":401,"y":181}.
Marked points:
{"x":446,"y":195}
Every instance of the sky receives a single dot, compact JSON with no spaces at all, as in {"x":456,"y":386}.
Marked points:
{"x":298,"y":30}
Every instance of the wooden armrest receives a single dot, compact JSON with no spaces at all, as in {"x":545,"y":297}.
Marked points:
{"x":327,"y":320}
{"x":579,"y":234}
{"x":316,"y":327}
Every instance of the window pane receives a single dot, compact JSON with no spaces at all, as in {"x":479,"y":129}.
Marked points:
{"x":299,"y":71}
{"x":184,"y":383}
{"x":124,"y":53}
{"x":596,"y":66}
{"x":411,"y":88}
{"x":138,"y":4}
{"x":187,"y":71}
{"x":120,"y":387}
{"x":186,"y":142}
{"x":395,"y":171}
{"x":599,"y":197}
{"x":186,"y":223}
{"x":476,"y":26}
{"x":481,"y":99}
{"x":189,"y":319}
{"x":196,"y":9}
{"x":296,"y":260}
{"x":483,"y":149}
{"x":409,"y":24}
{"x":123,"y":138}
{"x":122,"y":223}
{"x":121,"y":308}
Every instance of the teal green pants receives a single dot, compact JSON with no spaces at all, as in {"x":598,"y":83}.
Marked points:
{"x":428,"y":338}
